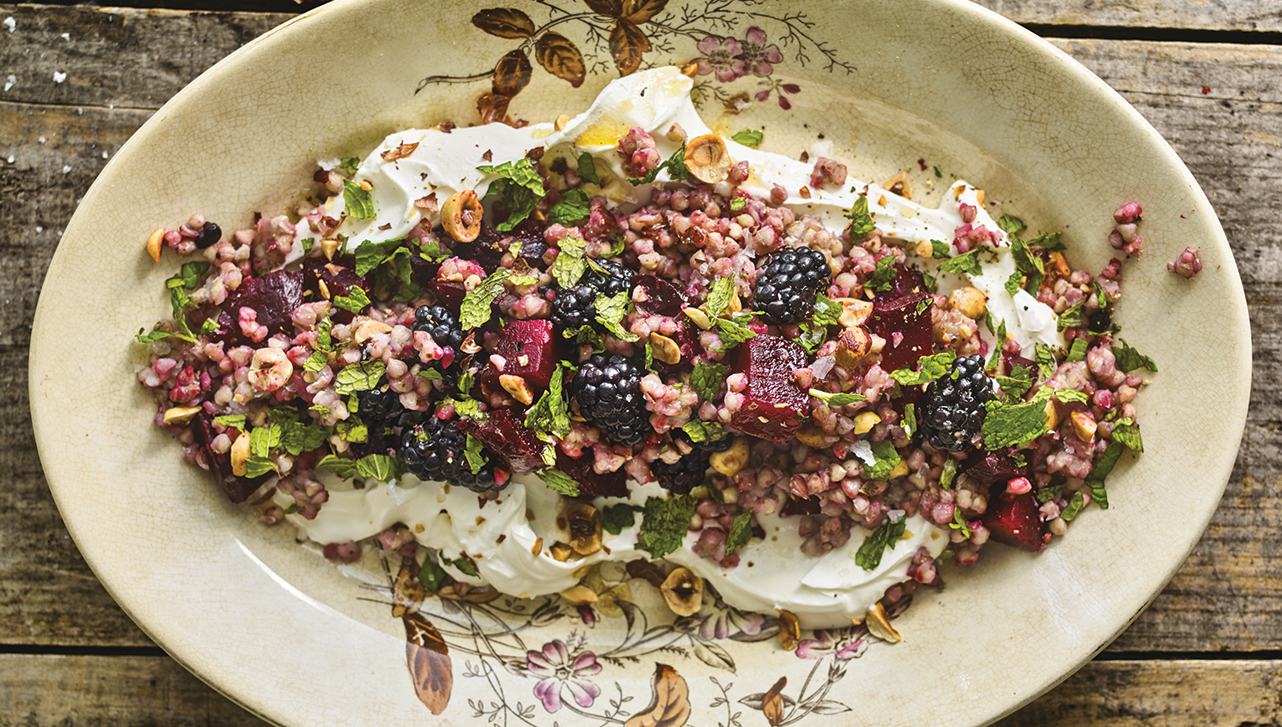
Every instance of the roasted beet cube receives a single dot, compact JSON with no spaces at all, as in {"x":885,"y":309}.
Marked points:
{"x":1012,"y":361}
{"x":904,"y":323}
{"x":328,"y":280}
{"x":661,"y":297}
{"x":773,"y":403}
{"x":906,"y":282}
{"x":990,"y":466}
{"x":273,"y":298}
{"x":237,"y":489}
{"x":450,"y":283}
{"x":591,"y":482}
{"x":527,"y":349}
{"x":1015,"y":520}
{"x":503,"y":431}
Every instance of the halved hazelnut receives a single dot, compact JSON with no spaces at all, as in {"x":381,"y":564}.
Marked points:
{"x":461,"y":216}
{"x":1083,"y":426}
{"x":865,"y":421}
{"x":854,"y":312}
{"x":789,"y":629}
{"x":708,"y":159}
{"x":561,"y":552}
{"x":329,"y":247}
{"x":900,"y":185}
{"x":369,"y":329}
{"x":579,"y":595}
{"x":518,"y":387}
{"x":1052,"y":415}
{"x":879,"y":625}
{"x":154,"y":243}
{"x":698,"y":317}
{"x":665,"y":349}
{"x":683,"y":592}
{"x":852,"y":345}
{"x":240,"y":455}
{"x":733,"y":459}
{"x":180,"y":414}
{"x":815,"y":438}
{"x":968,"y":301}
{"x":690,"y":69}
{"x":537,"y":548}
{"x":584,"y":523}
{"x":561,"y":121}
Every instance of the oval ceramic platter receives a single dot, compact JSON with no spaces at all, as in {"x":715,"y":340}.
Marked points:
{"x":886,"y":84}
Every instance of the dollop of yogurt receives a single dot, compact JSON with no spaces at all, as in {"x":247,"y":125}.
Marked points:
{"x":501,"y":535}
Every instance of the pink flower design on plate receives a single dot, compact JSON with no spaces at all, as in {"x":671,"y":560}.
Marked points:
{"x":838,"y":643}
{"x":756,"y":55}
{"x":721,"y":55}
{"x":563,"y":675}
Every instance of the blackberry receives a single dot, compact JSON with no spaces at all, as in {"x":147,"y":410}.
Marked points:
{"x":439,"y":323}
{"x":954,"y":410}
{"x":616,"y":278}
{"x":1099,"y":321}
{"x":380,"y":405}
{"x":574,"y":308}
{"x":209,"y":234}
{"x":787,"y":283}
{"x":434,"y":451}
{"x":608,"y":389}
{"x":683,"y":475}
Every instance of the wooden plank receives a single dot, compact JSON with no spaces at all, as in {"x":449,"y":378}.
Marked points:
{"x":44,"y":690}
{"x":1225,"y":598}
{"x":1240,"y":15}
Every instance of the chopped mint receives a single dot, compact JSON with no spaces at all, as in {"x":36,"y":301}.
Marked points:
{"x":929,"y":368}
{"x":344,"y":468}
{"x":308,"y":243}
{"x":909,"y":422}
{"x":358,"y":202}
{"x":1018,"y":383}
{"x":262,"y":440}
{"x":675,"y":165}
{"x":519,"y":186}
{"x":472,"y":452}
{"x":355,"y":301}
{"x":615,"y":518}
{"x":740,"y":532}
{"x":733,"y":331}
{"x":430,"y":375}
{"x":379,"y":467}
{"x":861,"y":222}
{"x":1128,"y":359}
{"x":738,"y":203}
{"x":475,"y":309}
{"x":1127,"y":432}
{"x":837,"y":399}
{"x":297,"y":437}
{"x":360,"y":376}
{"x":1077,"y":352}
{"x":370,"y":255}
{"x":996,"y":358}
{"x":1103,"y":467}
{"x":719,"y":295}
{"x":559,"y":481}
{"x":235,"y":421}
{"x":1048,"y":241}
{"x":572,"y":207}
{"x":1025,"y":260}
{"x":959,"y":522}
{"x":706,"y":379}
{"x":664,"y":524}
{"x":256,"y":466}
{"x":1045,"y":357}
{"x":570,"y":264}
{"x":1071,"y":318}
{"x":700,"y":431}
{"x":587,"y":169}
{"x":317,"y":361}
{"x":610,"y":312}
{"x":1013,"y":283}
{"x":352,"y":429}
{"x":1010,"y":224}
{"x":1009,"y":425}
{"x":348,"y":165}
{"x":967,"y":263}
{"x":886,"y":459}
{"x":827,"y":311}
{"x":550,"y":414}
{"x":874,"y":546}
{"x":468,"y":409}
{"x":464,"y":565}
{"x":881,"y":279}
{"x":748,"y":137}
{"x":432,"y":576}
{"x":940,"y":250}
{"x":1074,"y":507}
{"x":948,"y":474}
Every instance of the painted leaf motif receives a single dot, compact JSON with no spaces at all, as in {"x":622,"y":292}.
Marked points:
{"x":512,"y":74}
{"x":492,"y":107}
{"x":755,"y":701}
{"x":710,"y":653}
{"x":640,"y":11}
{"x":560,"y":57}
{"x":670,"y":706}
{"x":772,"y":703}
{"x":608,"y":8}
{"x":828,"y":706}
{"x":504,"y":22}
{"x":627,"y":43}
{"x":429,"y":662}
{"x":407,"y":592}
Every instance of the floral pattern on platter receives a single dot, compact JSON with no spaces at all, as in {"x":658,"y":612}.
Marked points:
{"x":535,"y":657}
{"x":734,"y":46}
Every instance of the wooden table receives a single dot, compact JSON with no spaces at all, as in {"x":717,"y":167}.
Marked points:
{"x":1207,"y":75}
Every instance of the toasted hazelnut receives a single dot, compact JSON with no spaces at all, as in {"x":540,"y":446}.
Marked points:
{"x":979,"y":197}
{"x":690,"y":69}
{"x":879,"y":625}
{"x":579,"y":595}
{"x":683,"y":592}
{"x":180,"y":414}
{"x":329,"y":247}
{"x":584,"y":523}
{"x":240,"y":455}
{"x":154,"y":243}
{"x":924,"y":249}
{"x":665,"y":349}
{"x":698,"y":317}
{"x":369,"y":329}
{"x":852,"y":345}
{"x":899,"y":185}
{"x":733,"y":459}
{"x":865,"y":421}
{"x":518,"y":387}
{"x":1083,"y":426}
{"x":561,"y":552}
{"x":1057,"y":266}
{"x":561,"y":121}
{"x":968,"y":301}
{"x":789,"y":629}
{"x":461,"y":216}
{"x":676,"y":133}
{"x":814,"y":437}
{"x":537,"y":548}
{"x":1052,"y":415}
{"x":708,"y":159}
{"x":854,"y":312}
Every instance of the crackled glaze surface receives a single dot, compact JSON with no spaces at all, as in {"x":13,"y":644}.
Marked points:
{"x":250,"y":612}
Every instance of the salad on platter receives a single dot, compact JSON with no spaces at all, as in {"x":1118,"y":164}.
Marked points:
{"x":516,"y":352}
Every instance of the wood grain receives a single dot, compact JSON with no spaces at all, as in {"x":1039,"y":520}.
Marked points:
{"x":44,"y":691}
{"x":1224,"y":599}
{"x":1240,"y":15}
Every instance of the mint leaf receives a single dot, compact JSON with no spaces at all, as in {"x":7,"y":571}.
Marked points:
{"x":675,"y":164}
{"x":874,"y":546}
{"x":827,"y":311}
{"x":475,"y":309}
{"x":929,"y":368}
{"x":358,"y":203}
{"x":298,"y":437}
{"x":352,"y":429}
{"x":262,"y":440}
{"x":472,"y":452}
{"x":732,"y":331}
{"x":355,"y":301}
{"x":1103,"y":467}
{"x":1071,"y":318}
{"x":749,"y":138}
{"x":1010,"y":224}
{"x":719,"y":295}
{"x":886,"y":460}
{"x":740,"y":532}
{"x":432,"y":575}
{"x":1009,"y":425}
{"x":940,"y":250}
{"x":1127,"y":432}
{"x":551,"y":414}
{"x":360,"y":376}
{"x":861,"y":223}
{"x":959,"y":522}
{"x":559,"y":481}
{"x":192,"y":272}
{"x":370,"y":254}
{"x":617,"y":517}
{"x":837,"y":399}
{"x":700,"y":431}
{"x":379,"y":467}
{"x":348,"y":165}
{"x":1012,"y":283}
{"x":881,"y":278}
{"x":948,"y":474}
{"x":572,"y":208}
{"x":706,"y":379}
{"x":1018,"y":383}
{"x":1048,"y":241}
{"x":464,"y":565}
{"x":430,"y":375}
{"x":967,"y":263}
{"x":1074,"y":507}
{"x":610,"y":312}
{"x":664,"y":524}
{"x":1077,"y":352}
{"x":1025,"y":260}
{"x":256,"y":466}
{"x":317,"y":361}
{"x":519,"y":185}
{"x":587,"y":169}
{"x":1045,"y":357}
{"x":909,"y":422}
{"x":569,"y":265}
{"x":236,"y":421}
{"x":1128,"y":359}
{"x":344,"y":468}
